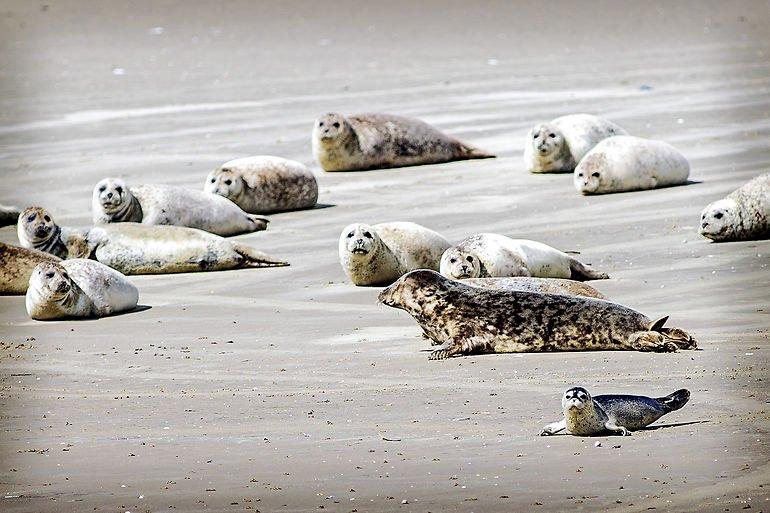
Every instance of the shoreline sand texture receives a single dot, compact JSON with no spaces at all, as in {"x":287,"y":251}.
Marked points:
{"x":289,"y":389}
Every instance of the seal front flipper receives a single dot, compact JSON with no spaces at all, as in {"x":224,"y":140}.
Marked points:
{"x":614,"y":428}
{"x":554,"y":427}
{"x":445,"y":350}
{"x":259,"y":222}
{"x":253,"y":258}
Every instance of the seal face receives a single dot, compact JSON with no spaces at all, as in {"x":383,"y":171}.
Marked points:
{"x":464,"y":319}
{"x":16,"y":266}
{"x":376,"y":141}
{"x":620,"y":414}
{"x":743,"y":215}
{"x":37,"y":229}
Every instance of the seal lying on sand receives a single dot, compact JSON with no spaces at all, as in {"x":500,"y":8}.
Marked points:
{"x":114,"y":202}
{"x":16,"y":266}
{"x":541,"y":285}
{"x":558,"y":146}
{"x":264,"y":184}
{"x":743,"y":215}
{"x":379,"y":254}
{"x":374,"y":141}
{"x":8,"y":215}
{"x":37,"y":229}
{"x":466,"y":319}
{"x":587,"y":416}
{"x":78,"y":288}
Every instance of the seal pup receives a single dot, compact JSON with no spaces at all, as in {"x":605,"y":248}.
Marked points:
{"x":376,"y":141}
{"x":264,"y":184}
{"x":589,"y":416}
{"x":627,"y":163}
{"x":114,"y":202}
{"x":8,"y":215}
{"x":37,"y":229}
{"x":78,"y":288}
{"x":16,"y":266}
{"x":743,"y":215}
{"x":464,"y":319}
{"x":488,"y":255}
{"x":379,"y":254}
{"x":558,"y":145}
{"x":542,"y":285}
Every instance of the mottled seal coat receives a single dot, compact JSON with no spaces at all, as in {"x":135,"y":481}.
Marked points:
{"x":743,"y":215}
{"x":379,"y":254}
{"x":78,"y":288}
{"x":16,"y":265}
{"x":264,"y":184}
{"x":466,"y":319}
{"x":621,"y":414}
{"x":488,"y":255}
{"x":626,"y":163}
{"x":114,"y":202}
{"x":8,"y":215}
{"x":374,"y":141}
{"x":557,"y":146}
{"x":542,"y":285}
{"x":37,"y":229}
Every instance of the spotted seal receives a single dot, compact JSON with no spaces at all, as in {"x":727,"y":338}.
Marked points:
{"x":542,"y":285}
{"x":16,"y":266}
{"x":743,"y":215}
{"x":37,"y":229}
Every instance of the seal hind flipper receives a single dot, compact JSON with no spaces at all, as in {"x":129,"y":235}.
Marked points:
{"x":260,"y":222}
{"x":658,"y":325}
{"x":471,"y":152}
{"x":675,"y":400}
{"x":253,"y":258}
{"x":581,"y":272}
{"x":677,"y":336}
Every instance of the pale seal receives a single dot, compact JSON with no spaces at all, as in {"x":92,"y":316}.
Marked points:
{"x":558,"y":145}
{"x":114,"y":202}
{"x":16,"y":265}
{"x":743,"y":215}
{"x":78,"y":288}
{"x":542,"y":285}
{"x":37,"y":229}
{"x":589,"y":416}
{"x":488,"y":255}
{"x":264,"y":184}
{"x":626,"y":163}
{"x":464,"y":319}
{"x":380,"y":254}
{"x":375,"y":141}
{"x":8,"y":215}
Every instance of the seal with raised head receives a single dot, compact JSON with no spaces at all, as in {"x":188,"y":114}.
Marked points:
{"x":16,"y":266}
{"x":541,"y":285}
{"x":264,"y":184}
{"x":626,"y":163}
{"x":379,"y":254}
{"x":558,"y":145}
{"x":114,"y":202}
{"x":464,"y":319}
{"x":37,"y":229}
{"x":620,"y":414}
{"x":8,"y":215}
{"x":376,"y":141}
{"x":78,"y":288}
{"x":489,"y":255}
{"x":743,"y":215}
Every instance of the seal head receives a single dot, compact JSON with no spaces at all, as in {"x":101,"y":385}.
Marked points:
{"x":51,"y":291}
{"x":225,"y":182}
{"x":332,"y":129}
{"x":113,"y":201}
{"x":360,"y":240}
{"x":576,"y":398}
{"x":588,"y":178}
{"x":718,"y":219}
{"x":460,"y":264}
{"x":547,"y":140}
{"x":37,"y":230}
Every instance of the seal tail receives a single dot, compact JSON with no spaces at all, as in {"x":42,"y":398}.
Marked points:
{"x":259,"y":222}
{"x":674,"y":401}
{"x":680,"y":337}
{"x":466,"y":151}
{"x":253,"y":258}
{"x":581,"y":272}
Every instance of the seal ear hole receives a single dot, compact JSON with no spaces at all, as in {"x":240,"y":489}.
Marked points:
{"x":719,"y":215}
{"x":595,"y":175}
{"x":336,"y":124}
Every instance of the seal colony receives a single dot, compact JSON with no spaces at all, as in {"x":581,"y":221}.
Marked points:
{"x":743,"y":215}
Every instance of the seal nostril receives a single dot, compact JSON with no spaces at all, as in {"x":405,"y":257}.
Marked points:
{"x":109,"y":195}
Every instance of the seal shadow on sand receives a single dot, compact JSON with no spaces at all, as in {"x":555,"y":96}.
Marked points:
{"x":138,"y":309}
{"x":647,"y":428}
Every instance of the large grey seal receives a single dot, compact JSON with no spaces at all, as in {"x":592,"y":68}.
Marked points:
{"x":264,"y":184}
{"x":588,"y":416}
{"x":379,"y":254}
{"x":466,"y":319}
{"x":78,"y":288}
{"x":626,"y":163}
{"x":375,"y":141}
{"x":37,"y":229}
{"x":558,"y":145}
{"x":114,"y":202}
{"x":541,"y":285}
{"x":743,"y":215}
{"x":491,"y":255}
{"x":16,"y":265}
{"x":8,"y":215}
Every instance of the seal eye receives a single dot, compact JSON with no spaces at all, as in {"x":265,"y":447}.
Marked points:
{"x":719,"y":215}
{"x":350,"y":235}
{"x":595,"y":175}
{"x":119,"y":190}
{"x":452,"y":260}
{"x":469,"y":258}
{"x":102,"y":188}
{"x":552,"y":136}
{"x":320,"y":123}
{"x":580,"y":174}
{"x":367,"y":235}
{"x":31,"y":218}
{"x":213,"y":180}
{"x":536,"y":136}
{"x":47,"y":219}
{"x":228,"y":182}
{"x":336,"y":125}
{"x":49,"y":274}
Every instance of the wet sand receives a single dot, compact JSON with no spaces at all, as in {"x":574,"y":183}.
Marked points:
{"x":289,"y":389}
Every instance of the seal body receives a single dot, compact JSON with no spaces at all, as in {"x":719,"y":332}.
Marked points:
{"x":37,"y":229}
{"x":16,"y":266}
{"x":626,"y":163}
{"x":589,"y":416}
{"x":557,"y":146}
{"x":541,"y":285}
{"x":491,"y":255}
{"x":114,"y":202}
{"x":380,"y":254}
{"x":743,"y":215}
{"x":78,"y":288}
{"x":8,"y":215}
{"x":375,"y":141}
{"x":264,"y":184}
{"x":464,"y":319}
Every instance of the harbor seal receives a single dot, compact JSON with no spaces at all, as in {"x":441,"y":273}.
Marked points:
{"x":542,"y":285}
{"x":626,"y":163}
{"x":488,"y":255}
{"x":376,"y":141}
{"x":114,"y":202}
{"x":589,"y":416}
{"x":379,"y":254}
{"x":264,"y":184}
{"x":464,"y":319}
{"x":37,"y":229}
{"x":743,"y":215}
{"x":558,"y":145}
{"x":16,"y":266}
{"x":8,"y":215}
{"x":78,"y":288}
